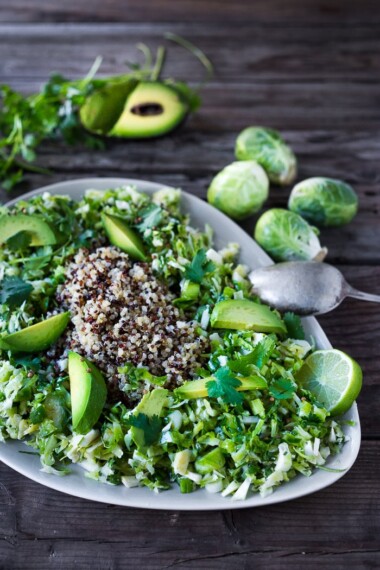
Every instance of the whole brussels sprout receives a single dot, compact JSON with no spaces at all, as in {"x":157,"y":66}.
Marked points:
{"x":268,"y":148}
{"x":324,"y":201}
{"x":239,"y":190}
{"x":288,"y":237}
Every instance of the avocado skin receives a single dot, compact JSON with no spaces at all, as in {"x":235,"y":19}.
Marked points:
{"x":122,"y":236}
{"x":150,"y":93}
{"x":242,"y":314}
{"x":41,"y":232}
{"x":103,"y":107}
{"x":36,"y":337}
{"x":88,"y":393}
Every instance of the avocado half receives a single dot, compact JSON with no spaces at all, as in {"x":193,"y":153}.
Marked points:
{"x":151,"y":110}
{"x":128,"y":109}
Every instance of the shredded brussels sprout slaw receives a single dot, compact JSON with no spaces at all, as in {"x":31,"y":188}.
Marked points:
{"x":230,"y":441}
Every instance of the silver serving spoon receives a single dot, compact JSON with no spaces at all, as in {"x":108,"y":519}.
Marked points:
{"x":304,"y":287}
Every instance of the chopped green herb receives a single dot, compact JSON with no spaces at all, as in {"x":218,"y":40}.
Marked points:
{"x":282,"y":389}
{"x":14,"y":291}
{"x":150,"y":425}
{"x":199,"y":267}
{"x":224,"y":387}
{"x":258,"y":357}
{"x":151,"y":217}
{"x":294,"y":326}
{"x":19,"y":241}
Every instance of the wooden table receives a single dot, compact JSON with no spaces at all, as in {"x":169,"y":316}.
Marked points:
{"x":310,"y":69}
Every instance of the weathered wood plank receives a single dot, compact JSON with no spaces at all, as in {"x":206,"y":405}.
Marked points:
{"x":55,"y":530}
{"x":262,"y":53}
{"x":263,"y":11}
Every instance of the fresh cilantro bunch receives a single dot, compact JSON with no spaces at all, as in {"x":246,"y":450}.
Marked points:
{"x":25,"y":122}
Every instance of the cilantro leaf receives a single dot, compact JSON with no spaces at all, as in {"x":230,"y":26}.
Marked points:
{"x":199,"y":267}
{"x":21,"y":240}
{"x":258,"y":357}
{"x":224,"y":387}
{"x":28,"y":361}
{"x":150,"y":425}
{"x":151,"y":217}
{"x":282,"y":389}
{"x":14,"y":291}
{"x":294,"y":326}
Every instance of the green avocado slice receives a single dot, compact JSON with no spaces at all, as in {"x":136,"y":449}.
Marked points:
{"x":121,"y":235}
{"x":152,"y":109}
{"x":150,"y":405}
{"x":36,"y":337}
{"x":39,"y":230}
{"x":198,"y":388}
{"x":242,"y":314}
{"x":88,"y":393}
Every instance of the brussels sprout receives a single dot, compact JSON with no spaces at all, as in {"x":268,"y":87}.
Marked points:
{"x":240,"y":189}
{"x":267,"y":147}
{"x":288,"y":237}
{"x":324,"y":201}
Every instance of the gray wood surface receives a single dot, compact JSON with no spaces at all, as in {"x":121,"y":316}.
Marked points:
{"x":310,"y":69}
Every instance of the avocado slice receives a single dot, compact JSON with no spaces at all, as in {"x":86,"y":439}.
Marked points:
{"x":39,"y":230}
{"x":212,"y":461}
{"x":152,"y":109}
{"x":103,"y":107}
{"x":242,"y":314}
{"x":121,"y":235}
{"x":198,"y":388}
{"x":150,"y":405}
{"x":36,"y":337}
{"x":88,"y":392}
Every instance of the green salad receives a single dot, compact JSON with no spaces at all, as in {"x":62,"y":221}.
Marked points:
{"x":133,"y":348}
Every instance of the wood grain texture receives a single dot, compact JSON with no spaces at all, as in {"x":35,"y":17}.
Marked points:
{"x":313,"y":11}
{"x":52,"y":530}
{"x":310,"y":69}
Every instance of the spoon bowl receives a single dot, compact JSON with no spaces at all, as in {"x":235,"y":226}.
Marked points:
{"x":304,"y":287}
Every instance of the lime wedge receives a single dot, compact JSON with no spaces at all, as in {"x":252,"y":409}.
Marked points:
{"x":333,"y":377}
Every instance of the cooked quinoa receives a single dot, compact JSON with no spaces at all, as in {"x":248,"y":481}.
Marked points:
{"x":122,"y":313}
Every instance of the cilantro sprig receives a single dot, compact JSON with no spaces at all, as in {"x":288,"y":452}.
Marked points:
{"x":199,"y":267}
{"x":294,"y":326}
{"x":14,"y":291}
{"x":224,"y":386}
{"x":150,"y":426}
{"x":282,"y":389}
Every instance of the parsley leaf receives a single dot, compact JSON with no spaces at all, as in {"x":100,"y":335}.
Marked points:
{"x":199,"y":267}
{"x":224,"y":387}
{"x":294,"y":326}
{"x":258,"y":357}
{"x":14,"y":291}
{"x":282,"y":389}
{"x":150,"y":425}
{"x":151,"y":217}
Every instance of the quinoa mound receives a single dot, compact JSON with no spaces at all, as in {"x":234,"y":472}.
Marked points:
{"x":121,"y":313}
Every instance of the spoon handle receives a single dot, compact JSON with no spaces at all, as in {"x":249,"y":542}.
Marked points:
{"x":363,"y":296}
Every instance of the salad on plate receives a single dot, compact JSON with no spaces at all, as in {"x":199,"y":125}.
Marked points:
{"x":133,"y":348}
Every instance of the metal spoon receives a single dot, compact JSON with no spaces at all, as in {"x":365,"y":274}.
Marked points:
{"x":304,"y":287}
